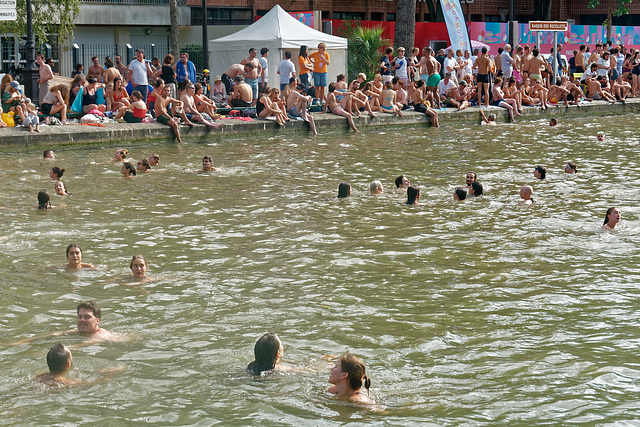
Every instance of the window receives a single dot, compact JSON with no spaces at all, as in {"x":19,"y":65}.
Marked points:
{"x":391,"y":16}
{"x":222,"y":16}
{"x":376,"y":16}
{"x":356,"y":16}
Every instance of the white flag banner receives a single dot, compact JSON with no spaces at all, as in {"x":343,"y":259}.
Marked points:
{"x":456,"y":25}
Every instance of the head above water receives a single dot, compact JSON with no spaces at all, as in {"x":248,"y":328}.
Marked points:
{"x":402,"y":181}
{"x":376,"y":187}
{"x":356,"y":370}
{"x":267,"y":351}
{"x":413,"y":195}
{"x":344,"y":190}
{"x":540,"y":172}
{"x":459,"y":194}
{"x":59,"y":359}
{"x":44,"y":201}
{"x":476,"y":189}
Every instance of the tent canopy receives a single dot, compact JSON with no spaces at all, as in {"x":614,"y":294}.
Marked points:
{"x":278,"y":31}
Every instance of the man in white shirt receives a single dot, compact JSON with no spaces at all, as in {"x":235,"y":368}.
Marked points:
{"x":139,"y":72}
{"x":286,"y":69}
{"x":446,"y":85}
{"x":451,"y":65}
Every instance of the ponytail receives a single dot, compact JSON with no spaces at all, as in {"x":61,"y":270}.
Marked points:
{"x":367,"y":383}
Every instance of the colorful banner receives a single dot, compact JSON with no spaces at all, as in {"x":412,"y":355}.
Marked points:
{"x":456,"y":25}
{"x":305,"y":17}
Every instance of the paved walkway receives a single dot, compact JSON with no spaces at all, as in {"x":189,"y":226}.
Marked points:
{"x":119,"y":133}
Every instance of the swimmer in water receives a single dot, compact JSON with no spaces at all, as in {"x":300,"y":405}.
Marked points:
{"x":267,"y":352}
{"x":601,"y":136}
{"x":154,"y":160}
{"x":553,"y":122}
{"x":459,"y":194}
{"x":488,"y":120}
{"x":344,"y":190}
{"x":207,"y":165}
{"x":56,"y":173}
{"x":61,"y":189}
{"x":347,"y":377}
{"x":376,"y":188}
{"x":74,"y":255}
{"x":413,"y":196}
{"x":121,"y":155}
{"x":128,"y":170}
{"x":476,"y":189}
{"x":143,"y":165}
{"x":540,"y":172}
{"x":48,"y":154}
{"x":612,"y":218}
{"x":570,"y":168}
{"x":402,"y":182}
{"x":525,"y":194}
{"x":44,"y":201}
{"x":139,"y":267}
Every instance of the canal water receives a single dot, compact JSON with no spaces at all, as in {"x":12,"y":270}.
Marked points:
{"x":481,"y":312}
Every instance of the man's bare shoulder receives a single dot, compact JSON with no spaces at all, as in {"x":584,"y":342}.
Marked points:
{"x":54,"y":380}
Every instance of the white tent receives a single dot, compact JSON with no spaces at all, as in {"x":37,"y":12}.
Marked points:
{"x":278,"y":31}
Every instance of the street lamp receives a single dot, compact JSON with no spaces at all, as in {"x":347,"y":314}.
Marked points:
{"x":30,"y":72}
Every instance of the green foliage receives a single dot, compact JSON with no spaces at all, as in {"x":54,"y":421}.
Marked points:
{"x":365,"y":50}
{"x":48,"y":17}
{"x":620,"y":5}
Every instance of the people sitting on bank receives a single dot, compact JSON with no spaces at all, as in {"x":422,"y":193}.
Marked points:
{"x":204,"y":104}
{"x":267,"y":106}
{"x":242,"y":94}
{"x":12,"y":98}
{"x":297,"y":106}
{"x":55,"y":101}
{"x":90,"y":98}
{"x":134,"y":112}
{"x":118,"y":97}
{"x":189,"y":107}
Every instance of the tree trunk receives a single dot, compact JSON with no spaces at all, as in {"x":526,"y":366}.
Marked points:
{"x":405,"y":24}
{"x":609,"y":18}
{"x":175,"y":29}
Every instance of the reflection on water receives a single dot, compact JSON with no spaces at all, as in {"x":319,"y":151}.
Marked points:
{"x":474,"y":312}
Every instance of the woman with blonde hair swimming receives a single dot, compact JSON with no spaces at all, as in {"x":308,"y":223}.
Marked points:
{"x":347,"y":378}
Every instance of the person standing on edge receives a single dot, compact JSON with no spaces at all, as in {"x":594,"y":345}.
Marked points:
{"x":139,"y":72}
{"x":264,"y":76}
{"x":320,"y":61}
{"x":286,"y":70}
{"x":305,"y":66}
{"x":185,"y":69}
{"x":44,"y":82}
{"x":251,"y":76}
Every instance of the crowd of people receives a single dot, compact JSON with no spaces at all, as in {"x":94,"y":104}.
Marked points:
{"x":474,"y":188}
{"x":423,"y":81}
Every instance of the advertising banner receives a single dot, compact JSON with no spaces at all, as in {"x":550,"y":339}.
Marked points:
{"x":456,"y":25}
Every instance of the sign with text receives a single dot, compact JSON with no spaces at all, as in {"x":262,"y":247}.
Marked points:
{"x":548,"y":26}
{"x":8,"y":10}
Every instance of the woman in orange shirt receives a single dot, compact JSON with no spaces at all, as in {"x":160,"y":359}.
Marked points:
{"x":320,"y":61}
{"x":305,"y":66}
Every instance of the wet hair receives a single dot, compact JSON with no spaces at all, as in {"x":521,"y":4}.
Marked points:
{"x":375,"y":185}
{"x":46,"y":153}
{"x":208,"y":158}
{"x":145,"y":164}
{"x":135,"y":257}
{"x":73,"y":245}
{"x":303,"y":51}
{"x":123,"y":152}
{"x":573,"y":167}
{"x":44,"y":201}
{"x":57,"y":358}
{"x":265,"y":354}
{"x":606,"y":217}
{"x":461,"y":193}
{"x":474,"y":175}
{"x":58,"y":171}
{"x":542,"y":170}
{"x":399,"y":181}
{"x":477,"y":188}
{"x":343,"y":189}
{"x":413,"y":193}
{"x":90,"y":305}
{"x":354,"y":366}
{"x":129,"y":166}
{"x":66,"y":190}
{"x":553,"y":121}
{"x":156,"y":157}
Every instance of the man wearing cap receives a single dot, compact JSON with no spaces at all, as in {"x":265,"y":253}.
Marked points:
{"x":44,"y":82}
{"x":139,"y":72}
{"x":251,"y":77}
{"x":185,"y":69}
{"x":242,"y":95}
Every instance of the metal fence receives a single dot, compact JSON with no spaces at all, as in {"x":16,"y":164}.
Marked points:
{"x":13,"y":54}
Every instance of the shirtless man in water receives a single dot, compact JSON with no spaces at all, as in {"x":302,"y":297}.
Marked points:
{"x":430,"y":73}
{"x":483,"y":64}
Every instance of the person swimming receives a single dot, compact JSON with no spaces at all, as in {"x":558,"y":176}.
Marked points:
{"x":460,"y":193}
{"x":376,"y":187}
{"x":48,"y":154}
{"x":525,"y":194}
{"x":570,"y":168}
{"x":612,"y":218}
{"x":61,"y":189}
{"x":347,"y":378}
{"x":207,"y":164}
{"x":120,"y":155}
{"x":402,"y":182}
{"x":56,"y":173}
{"x":74,"y":256}
{"x":138,"y":267}
{"x":413,"y":196}
{"x":44,"y":201}
{"x":344,"y":190}
{"x":128,"y":170}
{"x":476,"y":189}
{"x":267,"y":352}
{"x":540,"y":172}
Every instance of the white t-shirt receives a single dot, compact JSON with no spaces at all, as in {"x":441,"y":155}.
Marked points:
{"x":473,"y":61}
{"x":605,"y":63}
{"x":139,"y":75}
{"x":450,"y":62}
{"x":286,"y":70}
{"x":402,"y":71}
{"x":264,"y":64}
{"x":443,"y":88}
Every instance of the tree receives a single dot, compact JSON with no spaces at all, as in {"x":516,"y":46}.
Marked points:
{"x":365,"y":48}
{"x":542,"y":10}
{"x":48,"y":17}
{"x":174,"y":13}
{"x":621,"y":9}
{"x":405,"y":24}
